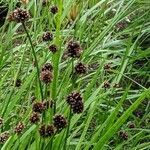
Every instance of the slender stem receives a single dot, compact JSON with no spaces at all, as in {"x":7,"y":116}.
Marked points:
{"x":35,"y":59}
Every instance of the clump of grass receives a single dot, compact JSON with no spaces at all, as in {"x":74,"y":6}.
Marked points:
{"x":79,"y":74}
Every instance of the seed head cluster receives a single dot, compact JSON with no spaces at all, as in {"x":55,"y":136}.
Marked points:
{"x":19,"y":128}
{"x":47,"y":36}
{"x":60,"y":122}
{"x":46,"y":75}
{"x":53,"y":48}
{"x":4,"y":137}
{"x":35,"y":117}
{"x":76,"y":102}
{"x":38,"y":107}
{"x":74,"y":49}
{"x":54,"y":9}
{"x":123,"y":135}
{"x":80,"y":68}
{"x":18,"y":83}
{"x":47,"y":130}
{"x":19,"y":15}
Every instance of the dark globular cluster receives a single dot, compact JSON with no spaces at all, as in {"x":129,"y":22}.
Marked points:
{"x":131,"y":124}
{"x":60,"y":122}
{"x":76,"y":102}
{"x":19,"y":128}
{"x":123,"y":135}
{"x":18,"y":83}
{"x":46,"y":74}
{"x":35,"y":117}
{"x":53,"y":48}
{"x":47,"y":67}
{"x":74,"y":49}
{"x":54,"y":9}
{"x":47,"y":130}
{"x":38,"y":107}
{"x":4,"y":137}
{"x":80,"y":68}
{"x":106,"y":85}
{"x":19,"y":15}
{"x":47,"y":36}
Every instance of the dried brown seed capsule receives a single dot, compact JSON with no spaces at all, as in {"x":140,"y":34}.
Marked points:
{"x":19,"y":15}
{"x":48,"y":67}
{"x":60,"y":122}
{"x":78,"y":107}
{"x":123,"y":135}
{"x":18,"y":83}
{"x":19,"y":128}
{"x":50,"y":130}
{"x":35,"y":117}
{"x":54,"y":9}
{"x":80,"y":68}
{"x":38,"y":107}
{"x":48,"y":104}
{"x":1,"y":122}
{"x":47,"y":36}
{"x":106,"y":85}
{"x":46,"y":76}
{"x":4,"y":137}
{"x":131,"y":125}
{"x":74,"y":49}
{"x":74,"y":98}
{"x":53,"y":48}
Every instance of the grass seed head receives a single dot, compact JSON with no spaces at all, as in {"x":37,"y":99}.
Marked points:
{"x":80,"y":68}
{"x":4,"y":137}
{"x":54,"y":9}
{"x":47,"y":36}
{"x":35,"y":117}
{"x":19,"y":128}
{"x":53,"y":48}
{"x":46,"y":76}
{"x":38,"y":107}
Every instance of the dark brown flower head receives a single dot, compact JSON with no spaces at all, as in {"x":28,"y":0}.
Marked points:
{"x":80,"y":68}
{"x":18,"y":83}
{"x":131,"y":124}
{"x":19,"y":128}
{"x":123,"y":135}
{"x":48,"y":104}
{"x":53,"y":48}
{"x":46,"y":76}
{"x":60,"y":122}
{"x":74,"y":49}
{"x":74,"y":98}
{"x":19,"y":15}
{"x":4,"y":137}
{"x":38,"y":107}
{"x":47,"y":36}
{"x":1,"y":122}
{"x":54,"y":9}
{"x":42,"y":130}
{"x":47,"y":131}
{"x":50,"y":130}
{"x":35,"y":117}
{"x":47,"y":66}
{"x":78,"y":108}
{"x":106,"y":85}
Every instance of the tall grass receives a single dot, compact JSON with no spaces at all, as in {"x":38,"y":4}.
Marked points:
{"x":114,"y":36}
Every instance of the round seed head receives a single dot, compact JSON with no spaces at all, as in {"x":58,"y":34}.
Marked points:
{"x":54,"y":9}
{"x":4,"y":137}
{"x":78,"y":108}
{"x":38,"y":107}
{"x":50,"y":130}
{"x":42,"y":130}
{"x":18,"y":83}
{"x":47,"y":36}
{"x":47,"y":67}
{"x":19,"y":15}
{"x":53,"y":48}
{"x":19,"y":128}
{"x":46,"y":76}
{"x":60,"y":122}
{"x":123,"y":135}
{"x":35,"y":117}
{"x":80,"y":68}
{"x":74,"y":49}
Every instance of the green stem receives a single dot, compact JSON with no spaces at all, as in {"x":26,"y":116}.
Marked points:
{"x":35,"y":59}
